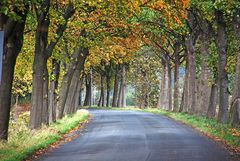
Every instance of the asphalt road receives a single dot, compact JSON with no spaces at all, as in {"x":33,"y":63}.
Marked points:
{"x":137,"y":136}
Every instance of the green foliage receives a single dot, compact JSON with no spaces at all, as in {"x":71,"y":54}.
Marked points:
{"x":144,"y":77}
{"x":23,"y":141}
{"x":13,"y":8}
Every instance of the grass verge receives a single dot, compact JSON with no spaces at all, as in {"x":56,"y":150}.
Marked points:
{"x":24,"y":142}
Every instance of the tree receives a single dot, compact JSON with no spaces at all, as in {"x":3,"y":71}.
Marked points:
{"x":12,"y":22}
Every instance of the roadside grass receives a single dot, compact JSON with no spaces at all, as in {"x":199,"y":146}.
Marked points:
{"x":210,"y":127}
{"x":23,"y":142}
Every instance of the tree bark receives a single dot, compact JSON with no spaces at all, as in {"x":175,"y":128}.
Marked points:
{"x":222,"y":45}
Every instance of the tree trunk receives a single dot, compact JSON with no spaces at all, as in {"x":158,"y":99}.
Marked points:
{"x":212,"y":101}
{"x":115,"y":90}
{"x":78,"y":95}
{"x":182,"y":102}
{"x":222,"y":44}
{"x":45,"y":111}
{"x":88,"y":95}
{"x":124,"y":86}
{"x":99,"y":100}
{"x":119,"y":102}
{"x":235,"y":104}
{"x":108,"y":80}
{"x":203,"y":85}
{"x":185,"y":100}
{"x":176,"y":78}
{"x":191,"y":74}
{"x":102,"y":91}
{"x":163,"y":92}
{"x":53,"y":90}
{"x":40,"y":76}
{"x":169,"y":87}
{"x":13,"y":41}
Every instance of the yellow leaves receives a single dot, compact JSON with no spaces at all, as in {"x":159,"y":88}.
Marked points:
{"x":116,"y":49}
{"x":185,"y":3}
{"x":177,"y":20}
{"x":235,"y":132}
{"x":160,"y":5}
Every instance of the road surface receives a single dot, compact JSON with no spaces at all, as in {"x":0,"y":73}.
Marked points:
{"x":137,"y":136}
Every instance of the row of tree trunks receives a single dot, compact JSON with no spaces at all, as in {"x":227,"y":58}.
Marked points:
{"x":73,"y":83}
{"x":121,"y":82}
{"x":43,"y":50}
{"x":77,"y":58}
{"x":13,"y":41}
{"x":206,"y":99}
